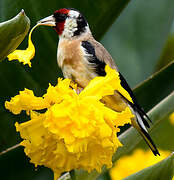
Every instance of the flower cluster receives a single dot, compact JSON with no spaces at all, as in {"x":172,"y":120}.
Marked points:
{"x":76,"y":130}
{"x":130,"y":164}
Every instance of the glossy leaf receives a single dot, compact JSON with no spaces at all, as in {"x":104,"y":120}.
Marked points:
{"x":162,"y":170}
{"x":155,"y":88}
{"x":167,"y":55}
{"x":12,"y":33}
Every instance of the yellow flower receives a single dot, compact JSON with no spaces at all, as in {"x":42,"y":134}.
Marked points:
{"x":135,"y":162}
{"x":76,"y":130}
{"x":24,"y":56}
{"x":171,"y":117}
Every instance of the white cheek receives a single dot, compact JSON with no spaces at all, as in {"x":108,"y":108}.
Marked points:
{"x":69,"y":28}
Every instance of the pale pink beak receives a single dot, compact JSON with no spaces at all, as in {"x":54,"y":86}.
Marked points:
{"x":48,"y":21}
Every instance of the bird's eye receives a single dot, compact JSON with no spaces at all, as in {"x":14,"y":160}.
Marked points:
{"x":60,"y":17}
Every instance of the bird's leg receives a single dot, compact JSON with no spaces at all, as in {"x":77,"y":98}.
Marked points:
{"x":79,"y":90}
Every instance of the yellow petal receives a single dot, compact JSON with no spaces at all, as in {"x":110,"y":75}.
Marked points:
{"x":24,"y":56}
{"x":172,"y":118}
{"x":104,"y":86}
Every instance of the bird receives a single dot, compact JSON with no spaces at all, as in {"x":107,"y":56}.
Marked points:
{"x":82,"y":58}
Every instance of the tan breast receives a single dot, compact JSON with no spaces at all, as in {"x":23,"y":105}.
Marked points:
{"x":71,"y":60}
{"x":69,"y":52}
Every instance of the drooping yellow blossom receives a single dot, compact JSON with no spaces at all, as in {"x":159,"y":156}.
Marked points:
{"x":131,"y":164}
{"x":77,"y":130}
{"x":22,"y":101}
{"x":24,"y":56}
{"x":172,"y":118}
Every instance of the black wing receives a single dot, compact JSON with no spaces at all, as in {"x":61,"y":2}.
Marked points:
{"x":98,"y":64}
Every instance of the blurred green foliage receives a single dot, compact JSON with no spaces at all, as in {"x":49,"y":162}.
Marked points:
{"x":167,"y":54}
{"x":138,"y":36}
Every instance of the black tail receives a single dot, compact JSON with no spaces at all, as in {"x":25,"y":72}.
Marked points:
{"x":142,"y":130}
{"x":141,"y":123}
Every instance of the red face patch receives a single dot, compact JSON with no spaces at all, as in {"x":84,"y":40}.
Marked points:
{"x":60,"y":16}
{"x":59,"y":27}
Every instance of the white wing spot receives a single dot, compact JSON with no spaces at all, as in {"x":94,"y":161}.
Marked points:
{"x":140,"y":121}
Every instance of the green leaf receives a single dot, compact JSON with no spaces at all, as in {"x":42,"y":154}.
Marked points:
{"x":12,"y":33}
{"x":155,"y":88}
{"x":162,"y":170}
{"x":168,"y":53}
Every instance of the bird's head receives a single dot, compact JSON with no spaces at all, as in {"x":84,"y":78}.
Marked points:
{"x":67,"y":22}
